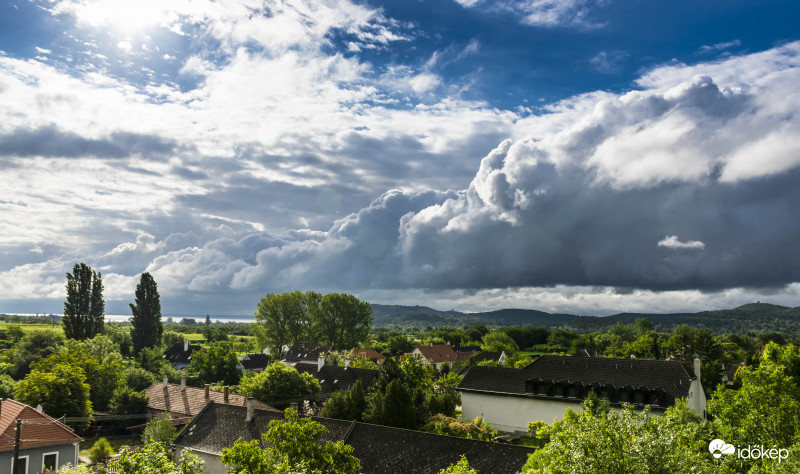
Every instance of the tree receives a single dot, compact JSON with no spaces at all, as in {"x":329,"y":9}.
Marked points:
{"x":216,"y":363}
{"x":600,"y":440}
{"x":284,"y":319}
{"x":155,"y":458}
{"x":7,"y":386}
{"x":499,"y":341}
{"x":294,"y":445}
{"x":395,"y":407}
{"x":84,"y":309}
{"x":127,"y":401}
{"x":146,"y":321}
{"x":101,"y":450}
{"x":343,"y":320}
{"x":461,"y":467}
{"x":159,"y":430}
{"x":348,"y":405}
{"x":137,"y":378}
{"x":279,"y":383}
{"x":62,"y":391}
{"x":32,"y":347}
{"x":103,"y":376}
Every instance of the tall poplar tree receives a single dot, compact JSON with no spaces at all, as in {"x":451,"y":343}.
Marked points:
{"x":84,"y":309}
{"x":146,"y":321}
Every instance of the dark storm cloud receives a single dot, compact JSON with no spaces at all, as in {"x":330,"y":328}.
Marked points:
{"x":49,"y":141}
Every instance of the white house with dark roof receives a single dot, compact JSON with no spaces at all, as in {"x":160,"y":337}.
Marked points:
{"x":511,"y":398}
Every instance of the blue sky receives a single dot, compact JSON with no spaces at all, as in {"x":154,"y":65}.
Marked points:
{"x":573,"y":156}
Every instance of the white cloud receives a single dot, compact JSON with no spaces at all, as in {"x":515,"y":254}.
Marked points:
{"x":672,"y":242}
{"x":545,"y":13}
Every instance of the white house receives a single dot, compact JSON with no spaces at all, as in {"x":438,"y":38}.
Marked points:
{"x":511,"y":398}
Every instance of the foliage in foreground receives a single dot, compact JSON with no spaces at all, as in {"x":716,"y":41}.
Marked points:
{"x":461,"y":467}
{"x":155,"y":458}
{"x":159,"y":430}
{"x":279,"y":383}
{"x":601,"y":440}
{"x":451,"y":426}
{"x":294,"y":448}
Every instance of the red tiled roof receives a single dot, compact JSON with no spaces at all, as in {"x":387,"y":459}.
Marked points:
{"x":438,"y":353}
{"x":369,"y":354}
{"x":38,"y":429}
{"x":191,"y":401}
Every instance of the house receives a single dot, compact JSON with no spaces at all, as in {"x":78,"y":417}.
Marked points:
{"x":380,"y":449}
{"x":305,"y":352}
{"x":437,"y":354}
{"x":255,"y":362}
{"x":180,"y":354}
{"x":332,"y":378}
{"x":369,"y":354}
{"x":44,"y":442}
{"x":183,"y":403}
{"x":510,"y":398}
{"x":499,"y":357}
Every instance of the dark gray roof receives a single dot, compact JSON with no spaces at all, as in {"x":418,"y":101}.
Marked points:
{"x":306,"y":351}
{"x":664,"y":380}
{"x":381,"y":449}
{"x":256,"y":361}
{"x":486,"y":355}
{"x":332,"y":378}
{"x":176,"y":353}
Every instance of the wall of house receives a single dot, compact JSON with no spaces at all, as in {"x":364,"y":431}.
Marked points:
{"x":213,"y":465}
{"x":67,"y":453}
{"x":697,"y":397}
{"x":512,"y":414}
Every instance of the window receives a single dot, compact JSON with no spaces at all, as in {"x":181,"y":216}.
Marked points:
{"x":49,"y":461}
{"x":22,"y":465}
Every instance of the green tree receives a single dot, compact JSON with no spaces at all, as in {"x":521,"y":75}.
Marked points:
{"x":84,"y":309}
{"x":348,"y":405}
{"x":343,"y":320}
{"x":101,"y":450}
{"x":279,"y":383}
{"x":62,"y":391}
{"x":154,"y":458}
{"x":103,"y":376}
{"x":461,"y":467}
{"x":146,"y":323}
{"x":159,"y":430}
{"x":7,"y":386}
{"x":138,"y":379}
{"x":33,"y":346}
{"x":294,"y":445}
{"x":499,"y":341}
{"x":127,"y":401}
{"x":216,"y":363}
{"x":600,"y":440}
{"x":395,"y":407}
{"x":284,"y":319}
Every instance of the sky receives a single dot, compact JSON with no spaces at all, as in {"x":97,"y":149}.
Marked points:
{"x":579,"y":156}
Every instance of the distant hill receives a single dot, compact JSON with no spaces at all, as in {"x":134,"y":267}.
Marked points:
{"x":750,"y":317}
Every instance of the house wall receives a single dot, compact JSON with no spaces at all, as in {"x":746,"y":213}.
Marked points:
{"x":213,"y":464}
{"x":67,"y":453}
{"x":512,"y":414}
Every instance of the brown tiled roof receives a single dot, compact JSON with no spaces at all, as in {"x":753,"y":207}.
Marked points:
{"x":369,"y":354}
{"x":438,"y":353}
{"x":380,"y":449}
{"x":38,"y":429}
{"x":192,"y":400}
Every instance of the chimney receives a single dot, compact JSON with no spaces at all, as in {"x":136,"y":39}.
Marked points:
{"x":225,"y":394}
{"x":697,"y":369}
{"x":320,"y":362}
{"x":251,"y":409}
{"x":166,"y":381}
{"x":185,"y":345}
{"x":431,"y":344}
{"x":346,"y":363}
{"x":39,"y":408}
{"x":206,"y":388}
{"x":183,"y":383}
